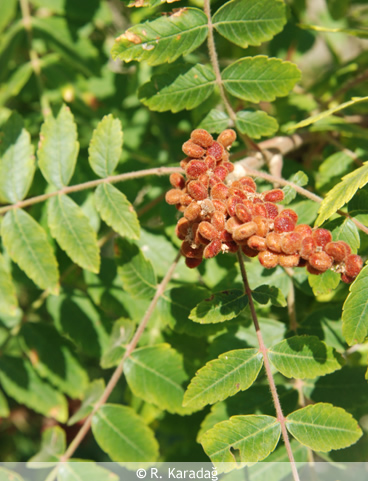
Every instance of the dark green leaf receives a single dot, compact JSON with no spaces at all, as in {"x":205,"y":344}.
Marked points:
{"x":53,"y":359}
{"x":117,"y":211}
{"x":4,"y":407}
{"x":27,"y":245}
{"x":220,"y":307}
{"x":122,"y":434}
{"x":163,"y":39}
{"x":8,"y":298}
{"x":265,"y":294}
{"x":58,"y":148}
{"x":53,"y":446}
{"x":73,"y":232}
{"x":180,"y":87}
{"x":244,"y":22}
{"x":19,"y":381}
{"x":300,"y":178}
{"x":260,"y":78}
{"x":135,"y":271}
{"x":121,"y":334}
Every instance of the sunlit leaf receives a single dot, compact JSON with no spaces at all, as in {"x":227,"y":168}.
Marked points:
{"x":122,"y":434}
{"x":121,"y":334}
{"x":233,"y":371}
{"x":73,"y":232}
{"x":265,"y":294}
{"x":27,"y":245}
{"x":252,"y":437}
{"x":355,"y":310}
{"x":17,"y":162}
{"x":323,"y":427}
{"x":106,"y":146}
{"x":163,"y":39}
{"x":58,"y":148}
{"x":91,"y":396}
{"x":117,"y":211}
{"x":8,"y":298}
{"x":303,"y":357}
{"x":323,"y":283}
{"x":256,"y":124}
{"x":356,"y":32}
{"x":215,"y":121}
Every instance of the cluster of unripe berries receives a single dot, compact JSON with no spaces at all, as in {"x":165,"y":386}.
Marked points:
{"x":222,"y":217}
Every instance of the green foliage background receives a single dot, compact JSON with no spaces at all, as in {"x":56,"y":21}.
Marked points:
{"x":71,"y":297}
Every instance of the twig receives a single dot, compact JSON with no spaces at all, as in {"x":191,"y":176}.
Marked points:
{"x":35,"y":61}
{"x":119,"y":370}
{"x":271,"y":381}
{"x":216,"y":68}
{"x":346,"y":151}
{"x":89,"y":185}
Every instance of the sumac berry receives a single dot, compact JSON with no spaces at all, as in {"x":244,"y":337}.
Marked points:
{"x":232,"y":223}
{"x":231,"y":204}
{"x":291,"y":243}
{"x":244,"y":231}
{"x":212,"y":249}
{"x":219,"y":205}
{"x":219,"y":191}
{"x":181,"y":228}
{"x":353,"y":265}
{"x":248,"y":251}
{"x":338,"y":250}
{"x":271,"y":209}
{"x":322,"y":237}
{"x":227,"y":137}
{"x":197,"y":190}
{"x":273,"y":241}
{"x":192,"y":263}
{"x":220,"y":172}
{"x":202,"y":138}
{"x":290,"y":213}
{"x":275,"y":195}
{"x":286,"y":260}
{"x":192,"y":212}
{"x":304,"y":230}
{"x":242,"y":213}
{"x":188,"y":251}
{"x":283,"y":223}
{"x":248,"y":181}
{"x":185,"y":199}
{"x":177,"y":180}
{"x":193,"y":150}
{"x":257,"y":243}
{"x":173,"y":196}
{"x":307,"y":247}
{"x":262,"y":225}
{"x":208,"y":231}
{"x":320,"y":261}
{"x":268,"y":259}
{"x":195,"y":168}
{"x":210,"y":162}
{"x":218,"y":221}
{"x":216,"y":151}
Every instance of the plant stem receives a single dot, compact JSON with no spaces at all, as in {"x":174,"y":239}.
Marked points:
{"x":35,"y":61}
{"x":216,"y":68}
{"x":89,"y":185}
{"x":119,"y":370}
{"x":271,"y":381}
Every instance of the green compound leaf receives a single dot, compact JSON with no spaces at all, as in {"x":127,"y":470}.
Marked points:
{"x":342,"y":193}
{"x":20,"y":382}
{"x":135,"y":271}
{"x":215,"y":121}
{"x":86,"y":471}
{"x":17,"y":164}
{"x":253,"y":437}
{"x":245,"y":22}
{"x":156,"y":374}
{"x":8,"y":297}
{"x":27,"y":245}
{"x":348,"y":232}
{"x":117,"y":211}
{"x":260,"y":78}
{"x":53,"y":446}
{"x":324,"y":283}
{"x":121,"y":334}
{"x":304,"y":357}
{"x":52,"y":358}
{"x":123,"y":435}
{"x":232,"y":372}
{"x":355,"y":310}
{"x":180,"y":87}
{"x":220,"y":307}
{"x":91,"y":396}
{"x":58,"y":148}
{"x":323,"y":427}
{"x":265,"y":294}
{"x":256,"y":124}
{"x":164,"y":39}
{"x":327,"y":113}
{"x":71,"y":228}
{"x":106,"y":146}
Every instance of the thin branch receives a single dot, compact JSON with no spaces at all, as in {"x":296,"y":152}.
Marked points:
{"x":91,"y":184}
{"x":35,"y":61}
{"x":271,"y":381}
{"x":119,"y":370}
{"x":216,"y":68}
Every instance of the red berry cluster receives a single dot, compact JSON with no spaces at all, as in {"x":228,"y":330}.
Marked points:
{"x":223,"y":217}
